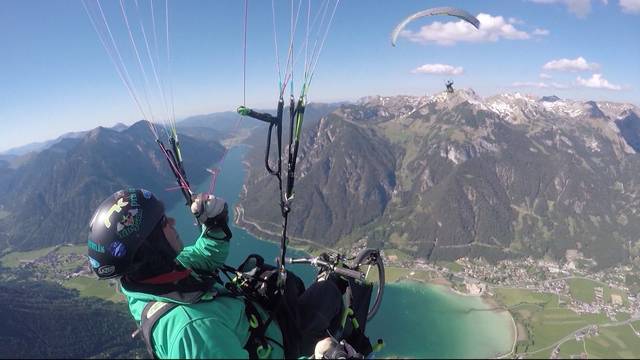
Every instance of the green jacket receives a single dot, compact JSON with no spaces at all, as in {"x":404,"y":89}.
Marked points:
{"x":208,"y":329}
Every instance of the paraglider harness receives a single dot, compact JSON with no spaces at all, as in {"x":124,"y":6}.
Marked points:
{"x":261,"y":277}
{"x":256,"y":283}
{"x":257,"y":345}
{"x":200,"y":288}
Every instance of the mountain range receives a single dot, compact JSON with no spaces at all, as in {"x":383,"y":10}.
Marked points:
{"x":42,"y":145}
{"x":49,"y":189}
{"x":454,"y":175}
{"x":438,"y":177}
{"x":47,"y":197}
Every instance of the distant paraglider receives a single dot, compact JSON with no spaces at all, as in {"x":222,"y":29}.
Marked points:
{"x":449,"y":85}
{"x":451,"y":11}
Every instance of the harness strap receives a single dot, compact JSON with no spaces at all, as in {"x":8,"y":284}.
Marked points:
{"x":152,"y":312}
{"x":258,"y":345}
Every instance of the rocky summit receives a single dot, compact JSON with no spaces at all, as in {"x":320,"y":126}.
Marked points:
{"x":455,"y":175}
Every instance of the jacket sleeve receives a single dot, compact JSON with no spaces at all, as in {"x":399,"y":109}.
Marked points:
{"x":217,"y":342}
{"x":206,"y":254}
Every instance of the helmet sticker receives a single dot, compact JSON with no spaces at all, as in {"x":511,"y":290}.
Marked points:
{"x":146,"y":194}
{"x":95,"y":247}
{"x":117,"y":249}
{"x":117,"y":207}
{"x":127,"y":219}
{"x":133,"y":198}
{"x":129,"y":223}
{"x":106,"y":270}
{"x":94,"y":263}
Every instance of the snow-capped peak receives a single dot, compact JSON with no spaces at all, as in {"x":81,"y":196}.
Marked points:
{"x":513,"y":107}
{"x":616,"y":110}
{"x":457,"y":97}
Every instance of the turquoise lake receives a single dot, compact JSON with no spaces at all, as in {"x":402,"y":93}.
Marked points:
{"x":415,"y":320}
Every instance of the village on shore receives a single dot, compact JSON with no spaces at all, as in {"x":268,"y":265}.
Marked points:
{"x":599,"y":299}
{"x":479,"y":277}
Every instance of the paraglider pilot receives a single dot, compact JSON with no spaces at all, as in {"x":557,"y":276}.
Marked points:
{"x":449,"y":85}
{"x":182,"y":307}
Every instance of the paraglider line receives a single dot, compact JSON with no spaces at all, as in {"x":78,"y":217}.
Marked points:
{"x":306,"y":39}
{"x":173,"y":109}
{"x":244,"y":54}
{"x":318,"y":31}
{"x":212,"y":184}
{"x":153,"y":65}
{"x":120,"y":67}
{"x":321,"y":47}
{"x":184,"y":185}
{"x":174,"y":188}
{"x":135,"y":49}
{"x":290,"y":56}
{"x":275,"y":41}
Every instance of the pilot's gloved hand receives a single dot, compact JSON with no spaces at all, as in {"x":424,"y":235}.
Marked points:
{"x":328,"y":348}
{"x":213,"y":212}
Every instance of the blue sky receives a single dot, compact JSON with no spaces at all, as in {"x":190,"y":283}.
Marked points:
{"x":55,"y":76}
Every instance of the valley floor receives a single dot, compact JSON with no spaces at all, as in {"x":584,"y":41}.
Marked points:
{"x":556,"y":314}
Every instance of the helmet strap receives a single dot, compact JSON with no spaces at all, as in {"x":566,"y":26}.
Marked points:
{"x":155,"y":257}
{"x":171,"y":277}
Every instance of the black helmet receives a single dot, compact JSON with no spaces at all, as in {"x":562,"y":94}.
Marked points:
{"x":118,"y":229}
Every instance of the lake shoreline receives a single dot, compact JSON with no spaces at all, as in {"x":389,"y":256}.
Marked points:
{"x":257,"y":231}
{"x":493,"y":306}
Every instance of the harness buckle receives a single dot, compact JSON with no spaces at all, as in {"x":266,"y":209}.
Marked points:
{"x":263,"y":353}
{"x":253,"y":321}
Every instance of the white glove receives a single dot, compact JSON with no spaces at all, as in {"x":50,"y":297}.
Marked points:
{"x":328,"y":348}
{"x":207,"y":206}
{"x":213,"y":213}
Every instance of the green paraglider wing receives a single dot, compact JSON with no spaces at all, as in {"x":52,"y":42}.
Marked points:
{"x":451,"y":11}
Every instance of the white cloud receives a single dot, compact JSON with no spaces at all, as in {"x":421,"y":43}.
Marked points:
{"x":515,"y":21}
{"x":577,"y":64}
{"x":492,"y":28}
{"x":545,"y":76}
{"x":539,"y":85}
{"x":630,"y":6}
{"x":541,"y":32}
{"x":596,"y":81}
{"x":530,"y":84}
{"x":438,"y":69}
{"x":580,"y":8}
